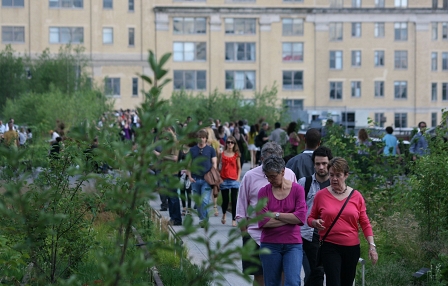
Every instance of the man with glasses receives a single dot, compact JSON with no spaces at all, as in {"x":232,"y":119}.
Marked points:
{"x":419,"y":144}
{"x":252,"y":182}
{"x":203,"y":159}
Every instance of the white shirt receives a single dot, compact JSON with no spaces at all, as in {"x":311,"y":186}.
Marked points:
{"x":2,"y":128}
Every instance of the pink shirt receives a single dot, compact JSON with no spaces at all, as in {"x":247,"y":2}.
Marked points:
{"x":252,"y":182}
{"x":294,"y":203}
{"x":345,"y":230}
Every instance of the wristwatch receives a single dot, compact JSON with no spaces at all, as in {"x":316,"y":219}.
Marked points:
{"x":372,"y":244}
{"x":277,"y":216}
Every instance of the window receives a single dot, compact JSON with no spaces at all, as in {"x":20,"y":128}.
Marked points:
{"x":379,"y":88}
{"x":401,"y":59}
{"x":108,"y":4}
{"x":13,"y":3}
{"x":292,"y":27}
{"x":401,"y":3}
{"x":356,"y":88}
{"x":336,"y":3}
{"x":108,"y":35}
{"x":379,"y":30}
{"x":356,"y":3}
{"x":379,"y":58}
{"x":434,"y":30}
{"x":240,"y":52}
{"x":356,"y":58}
{"x":189,"y":51}
{"x":135,"y":86}
{"x":401,"y":120}
{"x":434,"y":91}
{"x":240,"y":80}
{"x":433,"y":119}
{"x":65,"y":35}
{"x":131,"y":5}
{"x":113,"y":86}
{"x":293,"y":80}
{"x":192,"y":80}
{"x":400,"y":89}
{"x":13,"y":34}
{"x":240,"y":26}
{"x":335,"y":31}
{"x":189,"y":25}
{"x":380,"y":119}
{"x":434,"y":61}
{"x":356,"y":30}
{"x":348,"y":119}
{"x":445,"y":91}
{"x":294,"y":104}
{"x":131,"y":37}
{"x":292,"y":52}
{"x":435,"y":4}
{"x":336,"y":90}
{"x":445,"y":4}
{"x":401,"y":31}
{"x":336,"y":60}
{"x":286,"y":1}
{"x":444,"y":61}
{"x":65,"y":3}
{"x":379,"y":3}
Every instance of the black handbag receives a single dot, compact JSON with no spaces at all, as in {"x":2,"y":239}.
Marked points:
{"x":319,"y":261}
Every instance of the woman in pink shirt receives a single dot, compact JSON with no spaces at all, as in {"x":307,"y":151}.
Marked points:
{"x":285,"y":212}
{"x":340,"y":250}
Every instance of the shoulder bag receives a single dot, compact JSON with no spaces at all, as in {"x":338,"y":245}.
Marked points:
{"x":213,"y":178}
{"x":319,"y":250}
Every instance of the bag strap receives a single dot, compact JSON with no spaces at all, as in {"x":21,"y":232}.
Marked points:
{"x":339,"y":214}
{"x":308,"y":182}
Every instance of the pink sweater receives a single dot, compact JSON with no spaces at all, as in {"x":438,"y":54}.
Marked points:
{"x":345,"y":231}
{"x":293,"y":203}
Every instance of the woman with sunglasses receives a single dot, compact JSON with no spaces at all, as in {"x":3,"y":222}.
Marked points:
{"x":230,"y":173}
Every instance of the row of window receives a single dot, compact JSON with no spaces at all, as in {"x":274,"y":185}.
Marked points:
{"x":401,"y":119}
{"x":336,"y":89}
{"x":381,"y":3}
{"x":77,"y":4}
{"x":113,"y":86}
{"x":434,"y":91}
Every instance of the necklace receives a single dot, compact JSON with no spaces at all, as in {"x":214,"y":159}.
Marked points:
{"x":340,"y":193}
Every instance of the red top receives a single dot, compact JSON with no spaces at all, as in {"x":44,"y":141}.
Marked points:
{"x":345,"y":230}
{"x":229,"y":168}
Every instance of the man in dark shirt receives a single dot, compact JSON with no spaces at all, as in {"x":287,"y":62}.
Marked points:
{"x":204,"y":158}
{"x":302,"y":164}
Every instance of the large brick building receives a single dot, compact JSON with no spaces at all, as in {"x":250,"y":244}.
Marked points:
{"x":351,"y":59}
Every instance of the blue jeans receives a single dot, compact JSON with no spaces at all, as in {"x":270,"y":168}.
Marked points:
{"x":202,"y":188}
{"x":285,"y":258}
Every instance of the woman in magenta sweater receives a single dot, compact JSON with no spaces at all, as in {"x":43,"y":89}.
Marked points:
{"x":340,"y":250}
{"x":285,"y":212}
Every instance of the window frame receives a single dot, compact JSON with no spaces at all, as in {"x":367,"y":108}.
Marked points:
{"x":114,"y":82}
{"x":336,"y":28}
{"x":400,"y":89}
{"x":401,"y":3}
{"x":356,"y":89}
{"x":72,"y":34}
{"x":293,"y":54}
{"x":336,"y":86}
{"x":60,"y":3}
{"x":380,"y":3}
{"x":402,"y":118}
{"x":131,"y":6}
{"x":294,"y":86}
{"x":356,"y":3}
{"x":231,"y":81}
{"x":444,"y":61}
{"x":434,"y":119}
{"x":356,"y":30}
{"x":334,"y":57}
{"x":379,"y":58}
{"x":249,"y":51}
{"x":249,"y":25}
{"x":444,"y":91}
{"x":356,"y":58}
{"x":379,"y":30}
{"x":379,"y":89}
{"x":13,"y":32}
{"x":379,"y":118}
{"x":198,"y":22}
{"x":106,"y":2}
{"x":299,"y":27}
{"x":131,"y":32}
{"x":434,"y":31}
{"x":401,"y":60}
{"x":194,"y":79}
{"x":401,"y":32}
{"x":434,"y":61}
{"x":110,"y":34}
{"x":434,"y":94}
{"x":185,"y":51}
{"x":135,"y":87}
{"x":13,"y":5}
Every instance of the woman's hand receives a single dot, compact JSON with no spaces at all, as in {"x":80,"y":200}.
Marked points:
{"x":319,"y":224}
{"x":373,"y":255}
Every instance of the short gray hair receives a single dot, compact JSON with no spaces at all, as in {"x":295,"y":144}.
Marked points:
{"x":273,"y":164}
{"x":271,"y":149}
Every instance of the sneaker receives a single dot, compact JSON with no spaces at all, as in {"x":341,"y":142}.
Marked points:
{"x":202,"y":223}
{"x":184,"y":212}
{"x":173,"y":222}
{"x":163,"y":209}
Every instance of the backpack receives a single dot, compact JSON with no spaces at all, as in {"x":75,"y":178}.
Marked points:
{"x":258,"y":141}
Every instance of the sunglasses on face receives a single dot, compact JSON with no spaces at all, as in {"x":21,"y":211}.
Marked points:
{"x":230,"y":142}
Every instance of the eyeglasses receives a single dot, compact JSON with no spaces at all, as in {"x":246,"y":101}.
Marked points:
{"x":230,"y":142}
{"x":271,"y":177}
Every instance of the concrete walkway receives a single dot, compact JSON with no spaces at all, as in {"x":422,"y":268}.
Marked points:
{"x":198,"y":253}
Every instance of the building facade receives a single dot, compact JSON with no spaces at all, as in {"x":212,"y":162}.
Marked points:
{"x":347,"y":59}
